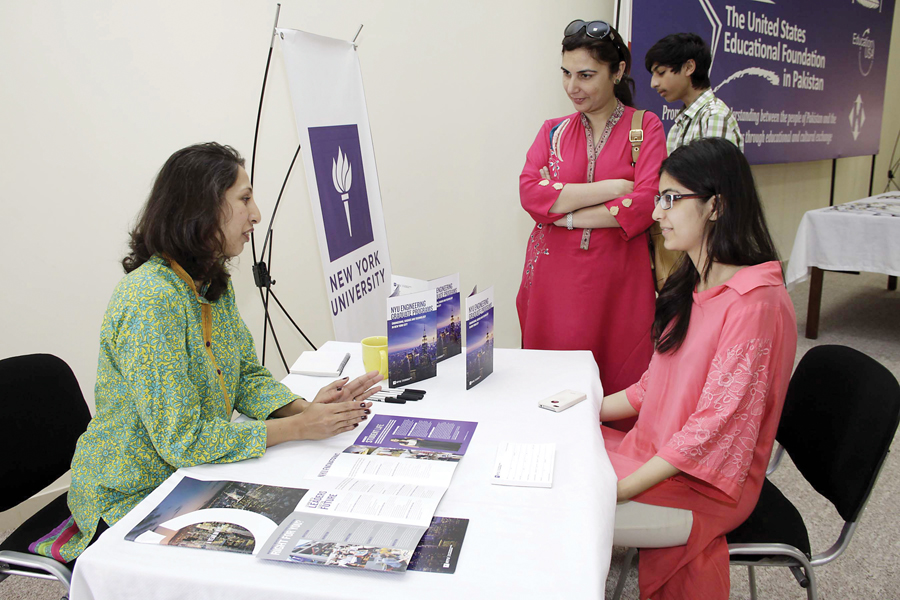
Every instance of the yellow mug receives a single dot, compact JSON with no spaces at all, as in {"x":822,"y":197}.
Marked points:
{"x":374,"y":354}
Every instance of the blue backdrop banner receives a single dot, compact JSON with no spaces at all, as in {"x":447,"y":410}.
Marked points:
{"x":805,"y":78}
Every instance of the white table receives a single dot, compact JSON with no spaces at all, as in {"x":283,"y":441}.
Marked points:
{"x":520,"y":543}
{"x":863,"y":235}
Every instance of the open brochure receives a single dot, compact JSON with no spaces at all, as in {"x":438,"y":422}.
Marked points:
{"x":233,"y":516}
{"x":366,"y":507}
{"x":369,"y":506}
{"x":479,"y":336}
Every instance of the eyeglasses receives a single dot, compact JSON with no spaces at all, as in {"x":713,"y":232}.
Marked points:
{"x":665,"y":200}
{"x":594,"y":29}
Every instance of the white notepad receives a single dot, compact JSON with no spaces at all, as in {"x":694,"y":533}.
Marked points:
{"x":527,"y":465}
{"x":321,"y":363}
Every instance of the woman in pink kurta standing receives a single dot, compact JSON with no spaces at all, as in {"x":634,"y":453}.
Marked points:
{"x":587,"y":283}
{"x":709,"y":404}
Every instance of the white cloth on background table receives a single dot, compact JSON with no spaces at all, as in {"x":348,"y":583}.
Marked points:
{"x":863,"y":235}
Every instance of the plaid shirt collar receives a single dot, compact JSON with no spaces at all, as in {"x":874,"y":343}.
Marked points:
{"x":689,"y":112}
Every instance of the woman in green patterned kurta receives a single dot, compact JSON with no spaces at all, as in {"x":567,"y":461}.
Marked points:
{"x":175,"y":362}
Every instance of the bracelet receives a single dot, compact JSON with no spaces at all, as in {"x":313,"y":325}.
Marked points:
{"x":569,"y":222}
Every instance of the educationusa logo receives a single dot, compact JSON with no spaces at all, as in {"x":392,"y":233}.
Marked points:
{"x":342,"y":188}
{"x":866,"y":51}
{"x":857,"y":116}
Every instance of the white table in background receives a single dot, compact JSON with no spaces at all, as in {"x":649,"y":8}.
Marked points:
{"x":521,"y":542}
{"x":863,"y":235}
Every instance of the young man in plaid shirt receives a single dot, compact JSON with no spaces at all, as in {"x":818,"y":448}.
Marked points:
{"x":679,"y":66}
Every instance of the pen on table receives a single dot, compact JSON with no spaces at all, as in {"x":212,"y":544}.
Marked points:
{"x":406,"y":394}
{"x":410,"y":390}
{"x":385,"y":397}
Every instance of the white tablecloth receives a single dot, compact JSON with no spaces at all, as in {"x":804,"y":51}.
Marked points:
{"x":863,"y":235}
{"x":520,"y":543}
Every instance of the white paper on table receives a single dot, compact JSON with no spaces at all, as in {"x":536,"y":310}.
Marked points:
{"x":526,"y":465}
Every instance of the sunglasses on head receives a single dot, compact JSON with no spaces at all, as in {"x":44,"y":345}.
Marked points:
{"x":593,"y":29}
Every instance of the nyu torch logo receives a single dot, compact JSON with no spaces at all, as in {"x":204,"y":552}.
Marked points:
{"x":341,"y":182}
{"x":342,"y":177}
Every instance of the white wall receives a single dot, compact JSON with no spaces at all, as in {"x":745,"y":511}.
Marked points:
{"x":95,"y":95}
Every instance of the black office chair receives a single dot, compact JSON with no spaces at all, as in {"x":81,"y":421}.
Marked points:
{"x":44,"y":412}
{"x":840,"y":415}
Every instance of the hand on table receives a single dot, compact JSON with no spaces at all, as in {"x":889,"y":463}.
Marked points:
{"x":338,"y":407}
{"x":321,"y":420}
{"x":343,"y":391}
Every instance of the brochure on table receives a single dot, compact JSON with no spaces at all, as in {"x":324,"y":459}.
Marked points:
{"x":366,"y":507}
{"x":217,"y":515}
{"x":449,"y":316}
{"x":479,"y":336}
{"x":412,"y":336}
{"x":438,"y":550}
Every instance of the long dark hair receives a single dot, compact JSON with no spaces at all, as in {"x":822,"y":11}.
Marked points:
{"x":182,"y":216}
{"x":609,"y":50}
{"x":714,"y":167}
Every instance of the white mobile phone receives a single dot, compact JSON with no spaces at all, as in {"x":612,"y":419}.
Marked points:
{"x":563,"y":400}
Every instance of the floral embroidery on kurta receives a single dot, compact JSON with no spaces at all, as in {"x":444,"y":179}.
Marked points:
{"x":600,"y":299}
{"x":722,"y":432}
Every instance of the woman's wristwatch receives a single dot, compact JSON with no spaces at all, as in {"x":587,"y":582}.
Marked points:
{"x":569,"y":222}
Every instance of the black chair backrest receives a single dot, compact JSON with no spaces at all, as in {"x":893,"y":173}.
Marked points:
{"x":840,"y":415}
{"x":43,"y":413}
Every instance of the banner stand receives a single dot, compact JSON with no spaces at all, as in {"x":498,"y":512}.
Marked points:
{"x":261,"y":275}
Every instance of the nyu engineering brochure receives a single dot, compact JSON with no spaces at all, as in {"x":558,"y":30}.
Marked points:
{"x":479,"y":336}
{"x":448,"y":341}
{"x":412,"y":337}
{"x":371,"y":504}
{"x":367,"y":507}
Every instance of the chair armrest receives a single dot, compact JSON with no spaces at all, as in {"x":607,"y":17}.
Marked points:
{"x":776,"y":459}
{"x":53,"y":569}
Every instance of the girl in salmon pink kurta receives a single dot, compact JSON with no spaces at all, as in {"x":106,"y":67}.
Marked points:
{"x":709,"y":404}
{"x":587,"y":283}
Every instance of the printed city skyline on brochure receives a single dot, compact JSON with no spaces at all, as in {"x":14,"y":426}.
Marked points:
{"x":412,"y":337}
{"x":479,"y":337}
{"x":233,"y":516}
{"x":449,"y":317}
{"x":438,"y":550}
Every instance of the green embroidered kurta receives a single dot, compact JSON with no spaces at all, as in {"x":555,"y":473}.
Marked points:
{"x":171,"y":365}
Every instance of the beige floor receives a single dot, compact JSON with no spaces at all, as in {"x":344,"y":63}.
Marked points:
{"x":857,"y":311}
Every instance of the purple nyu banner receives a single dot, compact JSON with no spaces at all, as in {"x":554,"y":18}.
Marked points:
{"x":341,"y":177}
{"x":805,"y":78}
{"x":342,"y":188}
